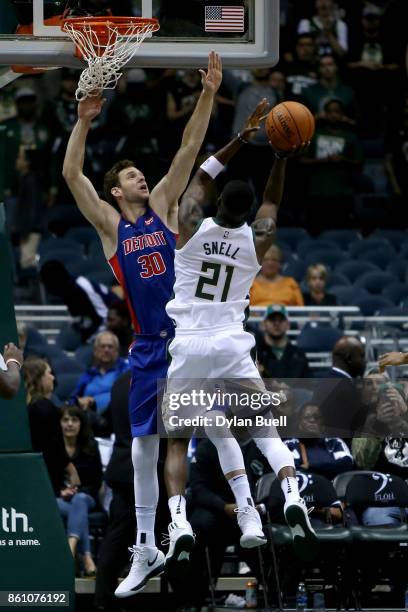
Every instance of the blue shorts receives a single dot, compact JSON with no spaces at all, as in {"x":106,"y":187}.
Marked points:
{"x":148,"y":359}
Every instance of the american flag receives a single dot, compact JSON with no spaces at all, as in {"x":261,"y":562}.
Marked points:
{"x":224,"y":19}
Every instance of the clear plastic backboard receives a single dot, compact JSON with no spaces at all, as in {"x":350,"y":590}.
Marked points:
{"x":244,"y":32}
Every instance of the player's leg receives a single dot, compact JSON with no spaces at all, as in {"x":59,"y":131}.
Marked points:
{"x":148,"y":365}
{"x":276,"y":452}
{"x":147,"y":560}
{"x":233,"y":468}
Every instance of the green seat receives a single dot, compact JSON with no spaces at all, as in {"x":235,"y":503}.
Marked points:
{"x":392,"y":533}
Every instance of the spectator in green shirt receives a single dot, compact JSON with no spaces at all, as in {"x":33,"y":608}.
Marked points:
{"x":328,"y":88}
{"x":335,"y":154}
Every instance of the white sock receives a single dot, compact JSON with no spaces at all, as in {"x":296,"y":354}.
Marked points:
{"x":290,"y":488}
{"x":145,"y":518}
{"x":240,"y":488}
{"x":145,"y":453}
{"x":177,"y":507}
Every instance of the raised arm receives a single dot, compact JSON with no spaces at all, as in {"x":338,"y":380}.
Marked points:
{"x":194,"y":198}
{"x":164,"y":197}
{"x":100,"y":214}
{"x":264,"y":225}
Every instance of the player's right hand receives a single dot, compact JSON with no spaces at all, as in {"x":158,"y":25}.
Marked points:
{"x":90,"y":107}
{"x":253,"y":123}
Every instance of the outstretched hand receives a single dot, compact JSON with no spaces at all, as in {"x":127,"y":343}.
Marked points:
{"x":211,"y":80}
{"x":253,"y":123}
{"x":90,"y":107}
{"x":391,"y":359}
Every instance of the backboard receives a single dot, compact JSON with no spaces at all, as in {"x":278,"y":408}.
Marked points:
{"x":244,"y":32}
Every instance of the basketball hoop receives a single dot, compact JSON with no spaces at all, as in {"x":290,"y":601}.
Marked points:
{"x":106,"y":44}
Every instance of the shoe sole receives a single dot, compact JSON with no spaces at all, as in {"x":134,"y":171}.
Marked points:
{"x":156,"y":572}
{"x":179,"y":562}
{"x":252,"y":541}
{"x":306,"y":546}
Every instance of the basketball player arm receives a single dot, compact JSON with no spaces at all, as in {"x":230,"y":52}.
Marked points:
{"x":100,"y":214}
{"x":10,"y":378}
{"x":196,"y":194}
{"x":264,"y":225}
{"x":164,"y":197}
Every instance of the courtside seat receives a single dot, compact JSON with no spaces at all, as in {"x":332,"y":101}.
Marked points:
{"x":82,"y":235}
{"x":66,"y":365}
{"x":49,"y":245}
{"x":295,"y":268}
{"x":395,"y":237}
{"x":348,"y":295}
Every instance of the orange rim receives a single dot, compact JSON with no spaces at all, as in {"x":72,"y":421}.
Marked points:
{"x":101,"y":24}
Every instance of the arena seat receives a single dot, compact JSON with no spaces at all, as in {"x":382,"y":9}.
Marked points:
{"x":295,"y":268}
{"x":310,"y":245}
{"x":395,"y":237}
{"x":372,"y":304}
{"x":375,"y":282}
{"x":343,"y":238}
{"x":66,"y":365}
{"x":354,"y":269}
{"x":328,"y":257}
{"x":380,"y":257}
{"x":82,"y":235}
{"x":49,"y":245}
{"x":318,"y":338}
{"x":68,"y":257}
{"x":292,"y":235}
{"x":84,"y":354}
{"x":399,"y":268}
{"x":348,"y":295}
{"x":68,"y":338}
{"x":335,"y":278}
{"x":396,"y":292}
{"x":65,"y":385}
{"x":46,"y":351}
{"x":369,"y":244}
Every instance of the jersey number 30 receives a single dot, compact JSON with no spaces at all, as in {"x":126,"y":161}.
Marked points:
{"x":204,"y":280}
{"x":152,"y":265}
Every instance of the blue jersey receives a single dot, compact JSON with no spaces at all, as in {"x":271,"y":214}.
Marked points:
{"x":144,"y":267}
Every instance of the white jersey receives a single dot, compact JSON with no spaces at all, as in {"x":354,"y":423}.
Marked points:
{"x":214,"y":272}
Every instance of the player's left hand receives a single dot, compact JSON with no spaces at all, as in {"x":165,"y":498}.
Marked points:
{"x":253,"y":123}
{"x":211,"y":80}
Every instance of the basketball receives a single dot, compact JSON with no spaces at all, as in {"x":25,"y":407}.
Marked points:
{"x":289,"y":125}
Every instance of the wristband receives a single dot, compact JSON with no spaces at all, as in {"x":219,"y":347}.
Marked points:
{"x":13,"y":361}
{"x":212,"y":166}
{"x":242,"y":139}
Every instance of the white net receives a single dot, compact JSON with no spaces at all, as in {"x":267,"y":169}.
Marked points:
{"x":105,"y":53}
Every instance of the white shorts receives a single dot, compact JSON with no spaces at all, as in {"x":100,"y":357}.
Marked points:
{"x":207,"y":363}
{"x":224,"y":354}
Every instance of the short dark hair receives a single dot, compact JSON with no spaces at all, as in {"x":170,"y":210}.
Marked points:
{"x":334,"y":101}
{"x":111,"y":178}
{"x":237,"y":197}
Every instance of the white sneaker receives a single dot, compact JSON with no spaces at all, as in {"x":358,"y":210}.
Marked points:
{"x":181,"y":541}
{"x":250,"y":524}
{"x":147,"y":562}
{"x":304,"y":536}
